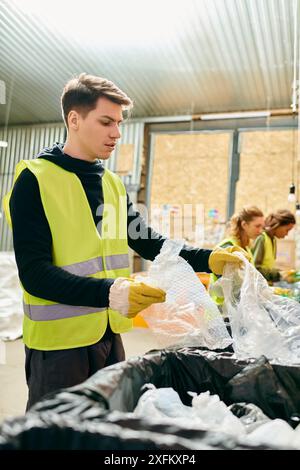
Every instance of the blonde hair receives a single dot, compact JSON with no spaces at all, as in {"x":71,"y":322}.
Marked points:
{"x":279,"y":218}
{"x":82,"y":93}
{"x":247,"y":214}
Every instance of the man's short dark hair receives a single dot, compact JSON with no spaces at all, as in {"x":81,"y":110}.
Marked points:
{"x":82,"y":93}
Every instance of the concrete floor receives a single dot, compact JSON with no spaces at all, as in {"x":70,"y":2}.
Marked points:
{"x":13,"y":390}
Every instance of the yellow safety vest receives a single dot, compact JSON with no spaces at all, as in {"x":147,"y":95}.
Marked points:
{"x":269,"y":252}
{"x":214,"y":278}
{"x":78,"y":248}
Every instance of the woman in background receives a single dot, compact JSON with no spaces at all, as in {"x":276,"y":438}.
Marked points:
{"x":277,"y":225}
{"x":245,"y":226}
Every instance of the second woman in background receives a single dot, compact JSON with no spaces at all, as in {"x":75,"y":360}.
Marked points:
{"x":277,"y":225}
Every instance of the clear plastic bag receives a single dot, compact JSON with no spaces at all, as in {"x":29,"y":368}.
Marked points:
{"x":207,"y":412}
{"x":11,"y":308}
{"x":250,"y":415}
{"x":189,"y":317}
{"x":262,"y":323}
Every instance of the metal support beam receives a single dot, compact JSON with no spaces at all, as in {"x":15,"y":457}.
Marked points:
{"x":150,"y":161}
{"x":149,"y":172}
{"x":234,"y":173}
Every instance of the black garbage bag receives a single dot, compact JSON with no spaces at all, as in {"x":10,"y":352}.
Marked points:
{"x":95,"y":414}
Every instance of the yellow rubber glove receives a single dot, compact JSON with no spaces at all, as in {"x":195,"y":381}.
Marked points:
{"x":220,"y":256}
{"x":130,"y":297}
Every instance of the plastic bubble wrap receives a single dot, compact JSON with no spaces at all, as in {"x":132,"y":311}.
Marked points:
{"x":262,"y":323}
{"x":189,"y":316}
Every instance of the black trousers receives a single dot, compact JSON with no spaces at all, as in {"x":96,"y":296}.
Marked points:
{"x":48,"y":371}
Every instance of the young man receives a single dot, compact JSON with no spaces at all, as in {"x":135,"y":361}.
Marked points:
{"x":78,"y":296}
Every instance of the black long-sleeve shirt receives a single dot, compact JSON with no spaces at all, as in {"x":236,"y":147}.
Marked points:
{"x":33,"y":242}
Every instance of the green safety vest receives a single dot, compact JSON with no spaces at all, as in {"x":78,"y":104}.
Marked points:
{"x":214,"y":278}
{"x":269,"y":252}
{"x":77,"y":247}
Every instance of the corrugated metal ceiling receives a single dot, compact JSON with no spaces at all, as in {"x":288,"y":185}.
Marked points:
{"x":171,"y":57}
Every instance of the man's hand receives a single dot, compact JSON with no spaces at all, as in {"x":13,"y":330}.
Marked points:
{"x":129,"y":297}
{"x":220,"y":256}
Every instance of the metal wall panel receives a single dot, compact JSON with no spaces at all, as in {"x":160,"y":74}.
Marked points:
{"x":25,"y":142}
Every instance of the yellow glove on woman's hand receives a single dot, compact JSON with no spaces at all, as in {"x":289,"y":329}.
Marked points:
{"x":220,"y":256}
{"x":129,"y":297}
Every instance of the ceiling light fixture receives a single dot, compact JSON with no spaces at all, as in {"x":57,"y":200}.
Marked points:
{"x":292,"y":195}
{"x":240,"y":115}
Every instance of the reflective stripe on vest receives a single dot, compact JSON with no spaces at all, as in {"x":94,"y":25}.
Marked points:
{"x":78,"y":248}
{"x":92,"y":266}
{"x":86,"y":268}
{"x":57,"y":311}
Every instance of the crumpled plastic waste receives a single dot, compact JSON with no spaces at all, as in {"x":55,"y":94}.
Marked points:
{"x":262,"y":323}
{"x":250,"y":415}
{"x":189,"y":317}
{"x":11,"y":308}
{"x":208,"y":412}
{"x":276,"y":433}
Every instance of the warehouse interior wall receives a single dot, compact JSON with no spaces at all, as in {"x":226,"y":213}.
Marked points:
{"x":193,"y":168}
{"x":25,"y":142}
{"x":190,"y":174}
{"x":188,"y":168}
{"x":267,"y":168}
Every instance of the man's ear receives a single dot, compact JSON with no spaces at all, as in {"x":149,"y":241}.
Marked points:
{"x":73,"y":120}
{"x":243,"y":224}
